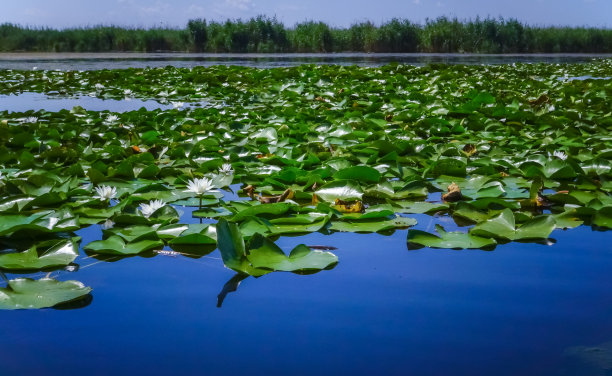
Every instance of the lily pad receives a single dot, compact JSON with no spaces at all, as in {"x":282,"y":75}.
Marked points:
{"x":47,"y":254}
{"x":503,"y":226}
{"x":26,"y":293}
{"x":264,"y":254}
{"x":452,"y":240}
{"x":116,"y":245}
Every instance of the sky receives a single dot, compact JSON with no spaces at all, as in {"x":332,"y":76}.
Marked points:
{"x":176,"y":13}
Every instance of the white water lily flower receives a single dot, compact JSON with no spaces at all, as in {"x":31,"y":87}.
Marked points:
{"x":177,"y":104}
{"x":107,"y":224}
{"x":151,"y":207}
{"x":560,"y":155}
{"x":127,"y":92}
{"x":99,"y":86}
{"x":200,"y":186}
{"x":30,"y":119}
{"x":226,"y":169}
{"x":112,"y":118}
{"x":105,"y":192}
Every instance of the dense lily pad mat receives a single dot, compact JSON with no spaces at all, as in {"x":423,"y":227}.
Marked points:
{"x":513,"y":151}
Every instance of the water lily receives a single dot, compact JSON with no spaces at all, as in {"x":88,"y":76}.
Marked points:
{"x":127,"y":92}
{"x":105,"y":192}
{"x":200,"y":186}
{"x":177,"y":104}
{"x":112,"y":118}
{"x":99,"y":86}
{"x":226,"y":169}
{"x":108,"y":224}
{"x":559,"y":154}
{"x":30,"y":119}
{"x":151,"y":207}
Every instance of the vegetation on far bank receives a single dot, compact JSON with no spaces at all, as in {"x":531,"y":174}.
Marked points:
{"x":263,"y":34}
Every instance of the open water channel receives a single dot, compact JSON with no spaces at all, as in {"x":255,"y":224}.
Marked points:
{"x":522,"y":309}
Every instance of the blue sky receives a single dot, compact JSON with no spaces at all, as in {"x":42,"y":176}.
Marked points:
{"x":175,"y":13}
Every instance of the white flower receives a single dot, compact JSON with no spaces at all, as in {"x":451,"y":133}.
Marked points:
{"x":226,"y":169}
{"x":151,"y":207}
{"x":127,"y":92}
{"x":30,"y":119}
{"x":200,"y":186}
{"x":112,"y":118}
{"x":105,"y":192}
{"x":177,"y":104}
{"x":99,"y":86}
{"x":107,"y":224}
{"x":560,"y":155}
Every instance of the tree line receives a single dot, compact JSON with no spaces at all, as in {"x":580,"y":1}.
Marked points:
{"x":266,"y":35}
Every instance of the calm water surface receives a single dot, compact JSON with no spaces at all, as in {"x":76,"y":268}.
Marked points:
{"x":38,"y":101}
{"x":522,"y":309}
{"x":77,"y":61}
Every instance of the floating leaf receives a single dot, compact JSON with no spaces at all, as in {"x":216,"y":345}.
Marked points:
{"x":345,"y":190}
{"x":264,"y":254}
{"x":503,"y":226}
{"x":453,"y":240}
{"x":116,"y":245}
{"x":46,"y":254}
{"x":26,"y":293}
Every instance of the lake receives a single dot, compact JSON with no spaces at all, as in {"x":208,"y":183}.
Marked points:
{"x":522,"y":309}
{"x":91,"y":61}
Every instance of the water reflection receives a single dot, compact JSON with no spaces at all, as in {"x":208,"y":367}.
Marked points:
{"x":76,"y":61}
{"x":38,"y":102}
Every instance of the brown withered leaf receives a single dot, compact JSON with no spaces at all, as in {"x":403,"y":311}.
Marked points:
{"x":454,"y":193}
{"x":287,"y":195}
{"x":469,"y":149}
{"x":315,"y":200}
{"x":541,"y":100}
{"x":348,"y":206}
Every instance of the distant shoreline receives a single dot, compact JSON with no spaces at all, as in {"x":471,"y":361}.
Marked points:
{"x":267,"y":35}
{"x":18,"y":56}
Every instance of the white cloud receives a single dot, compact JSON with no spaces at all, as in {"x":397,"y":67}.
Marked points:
{"x":157,"y":8}
{"x":242,"y":5}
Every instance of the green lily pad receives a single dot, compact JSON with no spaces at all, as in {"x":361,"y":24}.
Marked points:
{"x":264,"y":254}
{"x":233,"y":252}
{"x":374,"y":225}
{"x":26,"y":293}
{"x":452,"y":240}
{"x":346,"y":190}
{"x":503,"y":226}
{"x":364,"y":174}
{"x":116,"y":245}
{"x":46,"y":254}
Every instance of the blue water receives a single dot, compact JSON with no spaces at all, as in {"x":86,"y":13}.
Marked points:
{"x":39,"y":101}
{"x":382,"y":310}
{"x":96,"y":61}
{"x":522,"y":309}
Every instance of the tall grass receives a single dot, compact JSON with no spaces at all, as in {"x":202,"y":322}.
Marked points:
{"x":264,"y":34}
